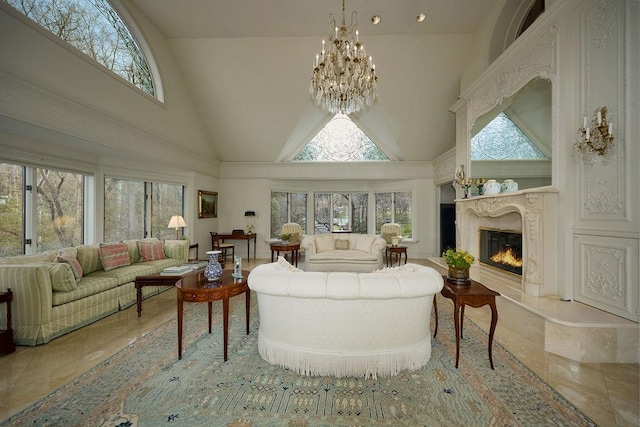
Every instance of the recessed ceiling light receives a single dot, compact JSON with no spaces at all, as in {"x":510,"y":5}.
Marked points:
{"x":421,"y":17}
{"x":375,"y":19}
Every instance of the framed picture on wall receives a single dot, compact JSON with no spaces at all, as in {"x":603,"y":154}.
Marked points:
{"x":207,"y":204}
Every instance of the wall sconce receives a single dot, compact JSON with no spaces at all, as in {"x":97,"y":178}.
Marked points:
{"x":250,"y":216}
{"x":176,"y":222}
{"x":595,"y":141}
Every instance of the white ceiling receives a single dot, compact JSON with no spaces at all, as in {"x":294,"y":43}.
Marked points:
{"x":247,"y":65}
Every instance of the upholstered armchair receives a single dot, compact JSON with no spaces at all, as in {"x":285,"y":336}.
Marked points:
{"x":389,"y":230}
{"x":293,"y":229}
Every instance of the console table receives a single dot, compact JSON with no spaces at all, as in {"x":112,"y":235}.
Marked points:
{"x":242,"y":236}
{"x":474,"y":294}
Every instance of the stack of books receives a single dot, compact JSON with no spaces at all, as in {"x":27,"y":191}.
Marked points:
{"x":176,"y":271}
{"x":197,"y":264}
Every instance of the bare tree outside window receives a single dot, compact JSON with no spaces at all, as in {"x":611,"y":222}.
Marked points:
{"x":96,"y":29}
{"x":11,"y":209}
{"x":60,"y":209}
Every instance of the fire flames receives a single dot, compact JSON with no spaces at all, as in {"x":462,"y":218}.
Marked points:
{"x":508,"y":257}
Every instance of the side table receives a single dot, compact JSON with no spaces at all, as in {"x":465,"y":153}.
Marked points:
{"x":6,"y":336}
{"x":294,"y":248}
{"x":474,"y":294}
{"x":196,"y":288}
{"x":398,"y":250}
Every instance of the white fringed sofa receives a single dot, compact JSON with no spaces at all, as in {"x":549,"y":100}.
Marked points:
{"x":343,"y":252}
{"x":345,"y":324}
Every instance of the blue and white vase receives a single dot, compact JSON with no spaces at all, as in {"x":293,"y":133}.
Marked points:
{"x":213,"y":270}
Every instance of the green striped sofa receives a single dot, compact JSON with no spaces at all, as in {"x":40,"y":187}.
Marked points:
{"x":40,"y":313}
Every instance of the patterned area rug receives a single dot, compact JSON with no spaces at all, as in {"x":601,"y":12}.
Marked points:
{"x":145,"y":385}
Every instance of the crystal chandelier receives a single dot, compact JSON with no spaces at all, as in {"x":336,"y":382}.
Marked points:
{"x":344,"y":78}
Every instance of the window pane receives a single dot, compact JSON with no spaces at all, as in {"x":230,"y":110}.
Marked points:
{"x":396,"y":208}
{"x":299,"y":209}
{"x":11,"y":210}
{"x":359,"y":209}
{"x":341,"y":212}
{"x":287,"y":207}
{"x":123,"y":209}
{"x":166,"y":202}
{"x":279,"y":208}
{"x":384,"y":211}
{"x":59,"y":209}
{"x":402,"y":213}
{"x":97,"y":30}
{"x":322,"y":213}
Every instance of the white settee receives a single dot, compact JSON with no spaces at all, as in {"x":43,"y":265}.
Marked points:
{"x":345,"y":324}
{"x":343,"y":252}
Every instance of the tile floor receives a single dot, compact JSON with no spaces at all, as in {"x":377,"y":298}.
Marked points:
{"x":607,"y":393}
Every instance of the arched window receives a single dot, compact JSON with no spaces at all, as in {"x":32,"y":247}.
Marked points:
{"x":96,"y":29}
{"x":341,"y":140}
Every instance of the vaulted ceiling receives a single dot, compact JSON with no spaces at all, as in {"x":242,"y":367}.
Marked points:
{"x":247,"y":65}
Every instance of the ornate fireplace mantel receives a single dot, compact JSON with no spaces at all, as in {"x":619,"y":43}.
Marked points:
{"x":532,"y":212}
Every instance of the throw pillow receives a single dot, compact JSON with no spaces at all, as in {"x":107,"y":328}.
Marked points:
{"x":73,"y":263}
{"x":342,"y":244}
{"x":174,"y":249}
{"x":62,"y":279}
{"x":151,"y":251}
{"x":114,"y":255}
{"x":283,"y":264}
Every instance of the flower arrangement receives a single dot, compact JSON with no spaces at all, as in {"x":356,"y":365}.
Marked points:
{"x":456,"y":258}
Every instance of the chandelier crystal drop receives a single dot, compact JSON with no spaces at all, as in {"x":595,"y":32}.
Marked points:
{"x":344,"y":77}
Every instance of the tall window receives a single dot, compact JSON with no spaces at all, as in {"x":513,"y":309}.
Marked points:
{"x":40,"y":208}
{"x":287,"y":207}
{"x":60,"y":208}
{"x":128,"y":216}
{"x":124,"y":208}
{"x":340,"y":212}
{"x":96,"y":29}
{"x":395,"y":207}
{"x":340,"y":140}
{"x":11,"y":210}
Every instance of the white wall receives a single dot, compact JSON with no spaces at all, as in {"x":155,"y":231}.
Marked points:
{"x":248,"y":186}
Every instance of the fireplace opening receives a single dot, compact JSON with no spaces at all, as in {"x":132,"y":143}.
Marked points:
{"x":501,"y":249}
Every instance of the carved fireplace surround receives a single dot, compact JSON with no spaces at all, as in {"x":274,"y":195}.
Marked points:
{"x":532,"y":212}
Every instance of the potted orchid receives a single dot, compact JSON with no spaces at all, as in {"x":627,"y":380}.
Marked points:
{"x":458,"y":262}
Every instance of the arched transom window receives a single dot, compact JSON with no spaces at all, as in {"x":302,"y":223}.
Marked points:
{"x":96,"y":29}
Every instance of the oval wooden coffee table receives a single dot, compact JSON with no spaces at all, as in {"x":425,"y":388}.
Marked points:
{"x":196,"y":288}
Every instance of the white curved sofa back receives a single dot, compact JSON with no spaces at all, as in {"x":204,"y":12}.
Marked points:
{"x":409,"y":281}
{"x":345,"y":324}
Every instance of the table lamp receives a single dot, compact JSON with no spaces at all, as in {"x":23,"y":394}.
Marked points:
{"x":250,"y":215}
{"x":176,"y":222}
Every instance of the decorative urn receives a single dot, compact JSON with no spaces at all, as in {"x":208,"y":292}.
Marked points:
{"x":491,"y":187}
{"x":509,"y":186}
{"x":213,"y":270}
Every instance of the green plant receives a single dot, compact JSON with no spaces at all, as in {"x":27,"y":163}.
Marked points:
{"x":456,"y":258}
{"x":285,"y":237}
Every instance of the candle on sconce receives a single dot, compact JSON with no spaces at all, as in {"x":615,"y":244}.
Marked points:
{"x":588,"y":134}
{"x":584,"y":122}
{"x":610,"y":128}
{"x":599,"y":117}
